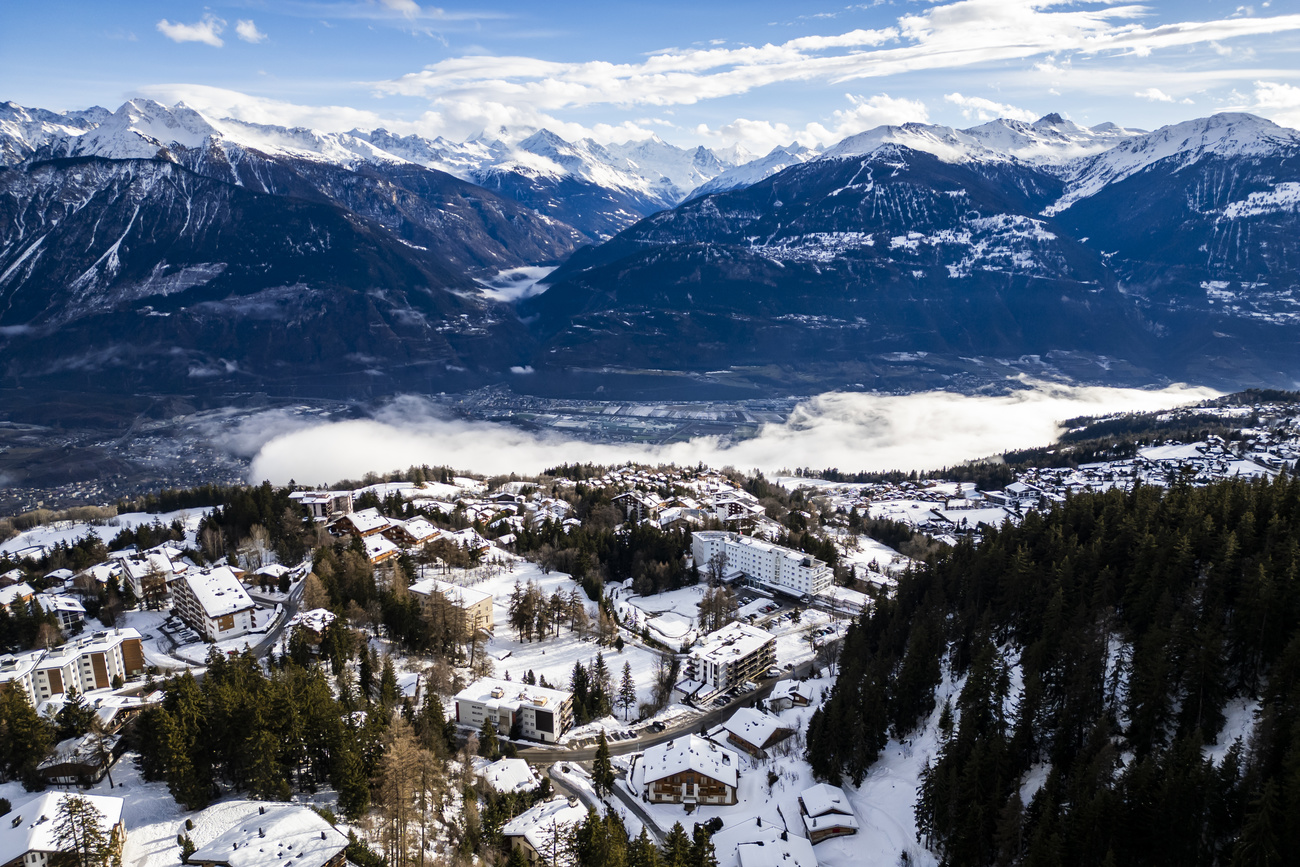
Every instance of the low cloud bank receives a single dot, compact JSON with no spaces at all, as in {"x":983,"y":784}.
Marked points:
{"x":851,"y":431}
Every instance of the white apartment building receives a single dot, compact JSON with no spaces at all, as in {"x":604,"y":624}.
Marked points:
{"x":543,"y":714}
{"x":85,"y":664}
{"x":772,"y":565}
{"x":727,"y":658}
{"x":214,"y":604}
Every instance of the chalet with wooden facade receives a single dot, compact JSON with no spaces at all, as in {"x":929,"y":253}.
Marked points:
{"x":689,"y":770}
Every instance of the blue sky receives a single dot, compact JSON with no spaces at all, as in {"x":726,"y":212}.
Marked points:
{"x":755,"y":72}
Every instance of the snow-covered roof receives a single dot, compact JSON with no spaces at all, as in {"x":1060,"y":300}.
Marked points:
{"x":510,"y":775}
{"x":378,"y":547}
{"x":275,"y":570}
{"x":731,"y":642}
{"x":754,"y":727}
{"x":219,"y":592}
{"x":690,"y":753}
{"x":539,"y":824}
{"x":284,"y":834}
{"x":85,"y":749}
{"x":316,"y":620}
{"x":14,"y":592}
{"x":366,"y":521}
{"x":727,"y":841}
{"x":420,"y":529}
{"x":465,"y":597}
{"x":824,"y":798}
{"x":788,"y":689}
{"x":98,"y":642}
{"x":29,"y":827}
{"x":59,"y":602}
{"x":511,"y":694}
{"x":17,"y":666}
{"x":793,"y":851}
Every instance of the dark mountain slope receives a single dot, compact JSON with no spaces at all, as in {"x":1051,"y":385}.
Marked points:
{"x":834,"y":262}
{"x":139,"y":273}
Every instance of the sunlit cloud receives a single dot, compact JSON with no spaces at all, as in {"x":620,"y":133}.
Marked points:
{"x":862,"y":113}
{"x":247,"y":31}
{"x":982,"y":109}
{"x":851,"y":431}
{"x":950,"y":36}
{"x":207,"y":30}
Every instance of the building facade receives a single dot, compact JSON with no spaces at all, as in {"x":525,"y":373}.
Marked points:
{"x":728,"y":658}
{"x":780,"y":568}
{"x":214,"y":604}
{"x":690,"y":770}
{"x":475,"y":605}
{"x":542,"y":714}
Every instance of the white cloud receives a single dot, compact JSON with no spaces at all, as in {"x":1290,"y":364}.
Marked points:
{"x":981,"y":109}
{"x":1278,"y":101}
{"x":950,"y":36}
{"x":851,"y":431}
{"x":1154,"y":94}
{"x":863,"y":114}
{"x":248,"y":31}
{"x":218,"y":102}
{"x":405,"y":7}
{"x":207,"y":30}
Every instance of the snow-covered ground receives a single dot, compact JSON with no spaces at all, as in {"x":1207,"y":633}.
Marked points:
{"x":67,"y":532}
{"x":669,"y":616}
{"x":883,"y":803}
{"x":553,"y":657}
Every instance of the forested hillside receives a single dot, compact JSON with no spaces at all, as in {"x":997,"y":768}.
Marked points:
{"x":1106,"y":641}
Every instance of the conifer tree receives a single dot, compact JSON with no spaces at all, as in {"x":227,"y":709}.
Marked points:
{"x":388,"y":684}
{"x":489,"y":745}
{"x":349,"y":780}
{"x":627,"y":690}
{"x":602,"y":768}
{"x":81,"y":834}
{"x":677,"y":848}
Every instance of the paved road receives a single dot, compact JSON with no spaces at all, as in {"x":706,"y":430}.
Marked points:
{"x":263,"y":647}
{"x":630,"y":801}
{"x":692,"y":723}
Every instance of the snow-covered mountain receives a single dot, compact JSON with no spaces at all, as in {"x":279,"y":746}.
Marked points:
{"x":1130,"y":252}
{"x":24,"y":130}
{"x":1233,"y":135}
{"x":1096,"y":252}
{"x":755,"y":170}
{"x":1048,"y":142}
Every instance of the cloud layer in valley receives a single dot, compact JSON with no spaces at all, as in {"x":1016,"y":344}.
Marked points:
{"x":851,"y":431}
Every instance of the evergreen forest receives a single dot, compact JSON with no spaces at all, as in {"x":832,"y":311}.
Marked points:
{"x":1113,"y":644}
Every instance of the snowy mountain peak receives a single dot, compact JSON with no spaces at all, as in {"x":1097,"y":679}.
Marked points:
{"x":1230,"y":134}
{"x":139,"y":129}
{"x":23,"y":131}
{"x":753,"y":170}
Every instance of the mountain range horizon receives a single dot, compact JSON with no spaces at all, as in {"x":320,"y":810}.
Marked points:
{"x":201,"y":255}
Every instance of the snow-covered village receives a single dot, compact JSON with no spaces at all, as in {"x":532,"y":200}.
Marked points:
{"x":435,"y":667}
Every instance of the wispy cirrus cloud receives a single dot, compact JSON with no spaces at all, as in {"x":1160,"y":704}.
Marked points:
{"x":955,"y":35}
{"x":207,"y":30}
{"x":950,"y":36}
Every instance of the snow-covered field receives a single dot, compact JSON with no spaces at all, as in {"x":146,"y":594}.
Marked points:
{"x":67,"y":532}
{"x":554,"y":657}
